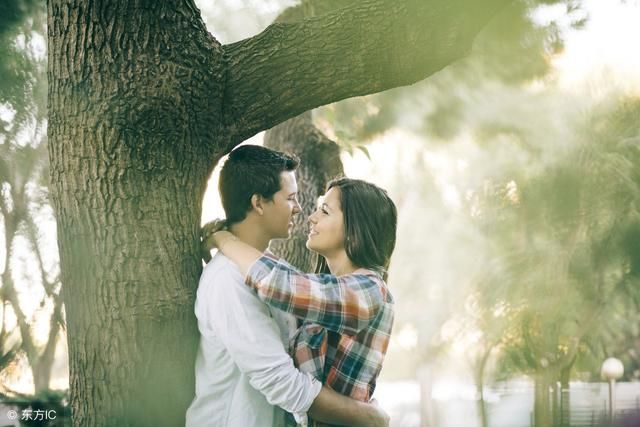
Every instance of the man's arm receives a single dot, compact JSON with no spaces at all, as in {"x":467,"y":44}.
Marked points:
{"x":333,"y":408}
{"x":252,"y":338}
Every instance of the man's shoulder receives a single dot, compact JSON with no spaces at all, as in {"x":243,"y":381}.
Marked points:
{"x":221,"y":272}
{"x":221,"y":267}
{"x":222,"y":286}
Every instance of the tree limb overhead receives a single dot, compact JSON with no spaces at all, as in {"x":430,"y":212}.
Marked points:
{"x":363,"y":48}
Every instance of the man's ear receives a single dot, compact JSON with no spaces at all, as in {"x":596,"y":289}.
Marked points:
{"x":256,"y":203}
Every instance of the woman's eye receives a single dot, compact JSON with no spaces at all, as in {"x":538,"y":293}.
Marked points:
{"x":324,"y":211}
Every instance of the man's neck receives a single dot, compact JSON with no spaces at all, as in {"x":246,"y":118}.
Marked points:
{"x":251,"y":234}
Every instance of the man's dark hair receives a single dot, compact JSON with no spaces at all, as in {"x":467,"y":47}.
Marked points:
{"x":249,"y":170}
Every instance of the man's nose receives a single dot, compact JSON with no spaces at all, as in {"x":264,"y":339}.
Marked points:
{"x":297,"y":208}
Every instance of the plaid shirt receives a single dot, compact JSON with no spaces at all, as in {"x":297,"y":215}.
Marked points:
{"x":346,"y":321}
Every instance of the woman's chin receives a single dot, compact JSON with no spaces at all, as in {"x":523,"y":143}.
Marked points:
{"x":312,"y":245}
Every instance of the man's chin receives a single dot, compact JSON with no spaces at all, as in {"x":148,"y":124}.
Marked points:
{"x":282,"y":236}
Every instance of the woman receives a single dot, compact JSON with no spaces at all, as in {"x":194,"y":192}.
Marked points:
{"x":345,"y":309}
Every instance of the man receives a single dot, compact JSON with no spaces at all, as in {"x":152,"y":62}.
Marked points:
{"x":244,"y":376}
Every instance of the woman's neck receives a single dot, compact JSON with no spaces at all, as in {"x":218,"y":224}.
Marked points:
{"x":340,"y":264}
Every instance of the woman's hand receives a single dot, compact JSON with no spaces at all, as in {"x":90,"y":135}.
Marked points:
{"x":206,"y":236}
{"x":220,"y":238}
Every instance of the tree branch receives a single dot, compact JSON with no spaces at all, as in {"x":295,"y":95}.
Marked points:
{"x":32,"y":234}
{"x":25,"y":331}
{"x":50,"y":286}
{"x":363,"y":48}
{"x":48,"y":354}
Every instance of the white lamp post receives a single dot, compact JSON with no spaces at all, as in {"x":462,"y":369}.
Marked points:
{"x":612,"y":369}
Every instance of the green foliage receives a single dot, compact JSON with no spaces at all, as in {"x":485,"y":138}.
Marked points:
{"x":24,"y":181}
{"x":566,"y":246}
{"x":512,"y":50}
{"x":17,"y":19}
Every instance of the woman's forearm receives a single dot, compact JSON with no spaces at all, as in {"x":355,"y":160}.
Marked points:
{"x":334,"y":408}
{"x":243,"y":255}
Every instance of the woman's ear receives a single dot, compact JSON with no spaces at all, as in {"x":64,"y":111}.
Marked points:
{"x":256,"y":204}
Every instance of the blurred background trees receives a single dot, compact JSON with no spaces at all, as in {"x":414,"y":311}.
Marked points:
{"x":529,"y":269}
{"x":32,"y":313}
{"x":561,"y":241}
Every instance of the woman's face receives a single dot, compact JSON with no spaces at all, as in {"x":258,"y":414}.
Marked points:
{"x":326,"y":234}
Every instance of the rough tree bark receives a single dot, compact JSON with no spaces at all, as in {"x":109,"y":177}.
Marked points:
{"x":142,"y":103}
{"x":319,"y":162}
{"x":135,"y":92}
{"x":319,"y":156}
{"x":363,"y":48}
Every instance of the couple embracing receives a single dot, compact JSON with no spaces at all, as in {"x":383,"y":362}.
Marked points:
{"x":280,"y":346}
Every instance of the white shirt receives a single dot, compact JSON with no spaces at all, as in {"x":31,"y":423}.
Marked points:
{"x":242,"y":367}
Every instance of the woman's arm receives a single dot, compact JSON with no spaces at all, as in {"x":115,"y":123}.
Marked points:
{"x":345,"y":304}
{"x":334,"y":408}
{"x":240,"y":253}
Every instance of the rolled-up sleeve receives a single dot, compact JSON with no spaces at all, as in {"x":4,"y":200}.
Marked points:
{"x":250,"y":334}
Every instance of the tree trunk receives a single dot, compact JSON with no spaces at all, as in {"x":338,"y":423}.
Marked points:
{"x":319,"y":156}
{"x":142,"y":103}
{"x":42,"y":368}
{"x":42,"y":375}
{"x":428,"y":410}
{"x":134,"y":90}
{"x":542,"y":416}
{"x":319,"y":162}
{"x":40,"y":360}
{"x":565,"y":396}
{"x":482,"y":405}
{"x":479,"y":370}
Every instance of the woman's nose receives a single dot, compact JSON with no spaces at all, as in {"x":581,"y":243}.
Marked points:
{"x":312,"y":218}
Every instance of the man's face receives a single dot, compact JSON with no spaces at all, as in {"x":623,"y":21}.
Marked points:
{"x":279,"y":211}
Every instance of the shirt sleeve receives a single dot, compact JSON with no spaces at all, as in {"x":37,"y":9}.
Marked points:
{"x":251,"y":336}
{"x":344,"y":304}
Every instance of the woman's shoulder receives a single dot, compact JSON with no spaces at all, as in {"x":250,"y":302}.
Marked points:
{"x":369,"y":274}
{"x":373,"y":278}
